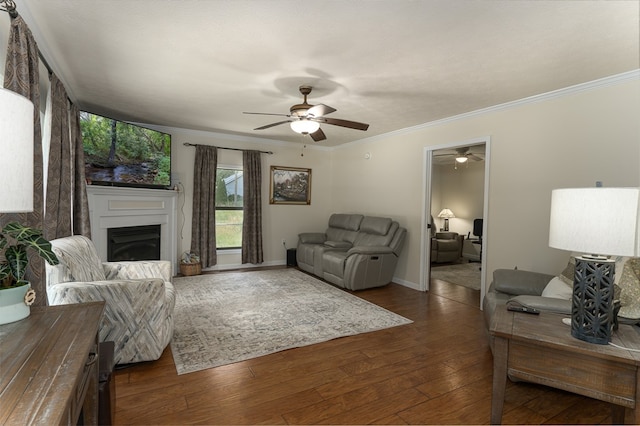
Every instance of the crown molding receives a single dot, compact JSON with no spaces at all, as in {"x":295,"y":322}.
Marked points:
{"x":591,"y":85}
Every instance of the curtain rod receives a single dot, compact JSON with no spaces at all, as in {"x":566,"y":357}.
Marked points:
{"x":9,"y":6}
{"x":231,"y":149}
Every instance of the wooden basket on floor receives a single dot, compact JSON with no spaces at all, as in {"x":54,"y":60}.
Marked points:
{"x":189,"y":269}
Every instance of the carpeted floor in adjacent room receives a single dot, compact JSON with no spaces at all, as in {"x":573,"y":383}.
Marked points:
{"x":464,"y":274}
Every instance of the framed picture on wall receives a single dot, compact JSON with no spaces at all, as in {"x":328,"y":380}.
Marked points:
{"x":290,"y":185}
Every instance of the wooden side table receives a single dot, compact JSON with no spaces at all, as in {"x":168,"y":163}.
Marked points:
{"x":540,"y":349}
{"x":49,"y":362}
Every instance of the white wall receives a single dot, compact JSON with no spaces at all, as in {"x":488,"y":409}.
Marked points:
{"x":573,"y":139}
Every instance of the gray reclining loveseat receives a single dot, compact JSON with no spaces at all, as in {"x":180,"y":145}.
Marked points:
{"x":355,"y":252}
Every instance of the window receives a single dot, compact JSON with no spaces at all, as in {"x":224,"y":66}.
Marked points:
{"x":229,"y":208}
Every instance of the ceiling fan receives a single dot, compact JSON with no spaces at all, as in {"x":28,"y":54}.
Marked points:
{"x":462,"y":155}
{"x":305,"y":118}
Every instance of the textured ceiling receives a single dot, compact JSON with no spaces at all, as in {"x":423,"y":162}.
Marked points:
{"x":390,"y":63}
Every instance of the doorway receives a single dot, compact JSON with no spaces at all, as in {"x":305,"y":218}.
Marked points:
{"x":456,"y":178}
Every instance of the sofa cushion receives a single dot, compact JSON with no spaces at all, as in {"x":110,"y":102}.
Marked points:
{"x":375,"y":225}
{"x":349,"y":222}
{"x":558,"y":289}
{"x":545,"y":304}
{"x":628,"y":287}
{"x":79,"y":260}
{"x":374,"y":239}
{"x":338,"y":244}
{"x":343,"y":227}
{"x":517,"y":282}
{"x":312,"y":237}
{"x":333,"y":262}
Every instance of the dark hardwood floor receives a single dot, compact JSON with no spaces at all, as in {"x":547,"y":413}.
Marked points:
{"x":436,"y":370}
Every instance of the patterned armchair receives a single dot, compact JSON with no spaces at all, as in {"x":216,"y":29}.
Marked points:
{"x":139,"y":297}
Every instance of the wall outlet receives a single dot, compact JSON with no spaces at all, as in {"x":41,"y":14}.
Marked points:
{"x":284,"y":242}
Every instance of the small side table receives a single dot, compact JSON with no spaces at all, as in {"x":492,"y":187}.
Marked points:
{"x":540,"y":349}
{"x":50,"y":366}
{"x":291,"y":257}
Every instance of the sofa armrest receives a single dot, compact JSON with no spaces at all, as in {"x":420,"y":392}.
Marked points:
{"x":81,"y":292}
{"x":369,"y":250}
{"x":312,"y":238}
{"x":546,"y":304}
{"x":140,"y":269}
{"x":520,"y":282}
{"x":338,"y":244}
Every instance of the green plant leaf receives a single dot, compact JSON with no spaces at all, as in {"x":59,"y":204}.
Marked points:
{"x":17,"y":258}
{"x":31,"y":238}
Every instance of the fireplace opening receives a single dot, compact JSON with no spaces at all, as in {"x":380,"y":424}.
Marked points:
{"x":133,"y":243}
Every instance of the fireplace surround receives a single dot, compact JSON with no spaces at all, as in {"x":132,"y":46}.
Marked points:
{"x":114,"y":207}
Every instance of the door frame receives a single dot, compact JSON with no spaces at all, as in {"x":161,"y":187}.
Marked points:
{"x":425,"y":238}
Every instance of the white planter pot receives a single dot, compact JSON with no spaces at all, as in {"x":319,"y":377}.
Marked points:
{"x":14,"y":304}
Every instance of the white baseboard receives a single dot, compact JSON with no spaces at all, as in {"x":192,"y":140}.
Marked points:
{"x":405,"y":283}
{"x":227,"y":267}
{"x":244,"y":265}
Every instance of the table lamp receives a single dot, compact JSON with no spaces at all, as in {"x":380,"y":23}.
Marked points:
{"x":446,"y":214}
{"x":598,"y":222}
{"x":16,"y":194}
{"x":16,"y":155}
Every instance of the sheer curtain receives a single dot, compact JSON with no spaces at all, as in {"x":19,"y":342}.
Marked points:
{"x":22,"y":76}
{"x":203,"y":226}
{"x":252,"y":222}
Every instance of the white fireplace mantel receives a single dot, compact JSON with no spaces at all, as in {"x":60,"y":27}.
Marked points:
{"x":115,"y":207}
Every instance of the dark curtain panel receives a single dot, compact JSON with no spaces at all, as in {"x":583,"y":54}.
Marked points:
{"x":22,"y":76}
{"x":81,"y":223}
{"x":252,"y":223}
{"x":58,"y":208}
{"x":203,"y":227}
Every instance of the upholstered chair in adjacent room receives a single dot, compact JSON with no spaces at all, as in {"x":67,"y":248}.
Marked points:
{"x":139,"y":297}
{"x":446,"y":247}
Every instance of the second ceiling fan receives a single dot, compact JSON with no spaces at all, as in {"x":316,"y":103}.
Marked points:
{"x":305,"y":118}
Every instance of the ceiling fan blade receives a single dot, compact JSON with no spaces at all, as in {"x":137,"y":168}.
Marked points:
{"x":474,"y":157}
{"x":272,"y":125}
{"x":320,"y":110}
{"x":343,"y":123}
{"x":318,"y":135}
{"x":267,"y":113}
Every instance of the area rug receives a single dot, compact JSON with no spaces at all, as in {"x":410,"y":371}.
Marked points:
{"x":464,"y":274}
{"x":230,"y":317}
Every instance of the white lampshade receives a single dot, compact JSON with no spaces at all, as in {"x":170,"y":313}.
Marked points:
{"x":16,"y":152}
{"x":305,"y":126}
{"x":462,"y":159}
{"x":446,"y":213}
{"x":602,"y":221}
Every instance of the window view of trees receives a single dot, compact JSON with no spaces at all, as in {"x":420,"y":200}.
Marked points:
{"x":122,"y":153}
{"x":229,"y":208}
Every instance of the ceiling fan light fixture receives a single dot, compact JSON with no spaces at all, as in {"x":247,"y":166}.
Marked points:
{"x":304,"y":126}
{"x":461,"y":159}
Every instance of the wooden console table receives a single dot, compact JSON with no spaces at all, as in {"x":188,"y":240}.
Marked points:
{"x":540,"y":349}
{"x":49,"y":366}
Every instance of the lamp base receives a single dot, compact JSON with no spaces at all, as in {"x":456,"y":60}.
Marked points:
{"x":592,"y":313}
{"x":446,"y":224}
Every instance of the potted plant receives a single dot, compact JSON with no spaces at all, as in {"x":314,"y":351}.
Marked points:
{"x":190,"y":264}
{"x":16,"y":294}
